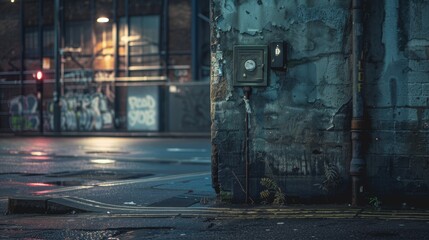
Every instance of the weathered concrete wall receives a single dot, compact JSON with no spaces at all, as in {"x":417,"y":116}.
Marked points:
{"x":300,"y":124}
{"x":397,"y":97}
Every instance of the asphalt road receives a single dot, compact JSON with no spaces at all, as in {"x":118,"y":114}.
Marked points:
{"x":138,"y":171}
{"x":114,"y":227}
{"x":151,"y":188}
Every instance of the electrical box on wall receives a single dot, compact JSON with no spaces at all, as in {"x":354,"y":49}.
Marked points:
{"x":250,"y":66}
{"x":278,"y":56}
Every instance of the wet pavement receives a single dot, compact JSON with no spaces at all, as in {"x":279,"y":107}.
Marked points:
{"x":111,"y":170}
{"x":131,"y":188}
{"x":111,"y":226}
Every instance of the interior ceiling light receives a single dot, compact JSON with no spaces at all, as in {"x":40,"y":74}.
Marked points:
{"x":102,"y":20}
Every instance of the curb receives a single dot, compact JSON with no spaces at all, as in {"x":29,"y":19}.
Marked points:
{"x":39,"y":205}
{"x":67,"y":205}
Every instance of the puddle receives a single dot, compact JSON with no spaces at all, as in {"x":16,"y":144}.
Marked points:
{"x":70,"y":183}
{"x":38,"y":158}
{"x":102,"y":161}
{"x":106,"y":152}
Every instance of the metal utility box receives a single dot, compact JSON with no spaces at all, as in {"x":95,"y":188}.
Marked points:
{"x":250,"y":66}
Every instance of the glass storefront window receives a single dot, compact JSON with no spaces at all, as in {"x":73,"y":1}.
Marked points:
{"x":148,"y":40}
{"x":141,"y":45}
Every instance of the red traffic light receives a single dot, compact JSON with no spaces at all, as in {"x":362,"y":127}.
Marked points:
{"x":39,"y":75}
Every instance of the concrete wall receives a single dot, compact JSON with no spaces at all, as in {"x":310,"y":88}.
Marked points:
{"x":300,"y":124}
{"x":397,"y":91}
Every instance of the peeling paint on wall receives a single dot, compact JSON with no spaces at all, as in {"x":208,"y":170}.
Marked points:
{"x":300,"y":122}
{"x":390,"y":33}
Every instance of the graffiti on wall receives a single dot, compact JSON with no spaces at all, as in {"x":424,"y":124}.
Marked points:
{"x":141,"y":111}
{"x":23,"y":112}
{"x":142,"y":108}
{"x":85,"y":110}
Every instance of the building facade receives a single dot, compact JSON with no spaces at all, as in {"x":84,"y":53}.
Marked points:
{"x":144,"y":69}
{"x":345,"y":118}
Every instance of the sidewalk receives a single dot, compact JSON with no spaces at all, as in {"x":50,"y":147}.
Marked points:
{"x":68,"y":205}
{"x":197,"y":203}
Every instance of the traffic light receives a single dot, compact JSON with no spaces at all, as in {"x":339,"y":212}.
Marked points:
{"x":39,"y":81}
{"x":39,"y":75}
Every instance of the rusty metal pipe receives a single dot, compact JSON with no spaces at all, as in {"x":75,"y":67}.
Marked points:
{"x":358,"y":163}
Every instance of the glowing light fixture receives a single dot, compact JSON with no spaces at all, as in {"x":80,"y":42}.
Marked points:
{"x":102,"y":20}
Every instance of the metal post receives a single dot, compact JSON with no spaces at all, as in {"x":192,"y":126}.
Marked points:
{"x":41,"y":62}
{"x":195,"y":52}
{"x":21,"y":73}
{"x":41,"y":33}
{"x":127,"y":42}
{"x":165,"y":37}
{"x":57,"y":58}
{"x":357,"y":164}
{"x":40,"y":97}
{"x":93,"y":37}
{"x":165,"y":119}
{"x":115,"y":35}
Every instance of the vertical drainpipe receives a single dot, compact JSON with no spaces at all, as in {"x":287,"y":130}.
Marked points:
{"x":357,"y":164}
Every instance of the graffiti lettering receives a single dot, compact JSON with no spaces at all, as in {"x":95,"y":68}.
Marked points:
{"x":142,"y":111}
{"x":142,"y":117}
{"x":146,"y":102}
{"x":23,"y":113}
{"x":91,"y":111}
